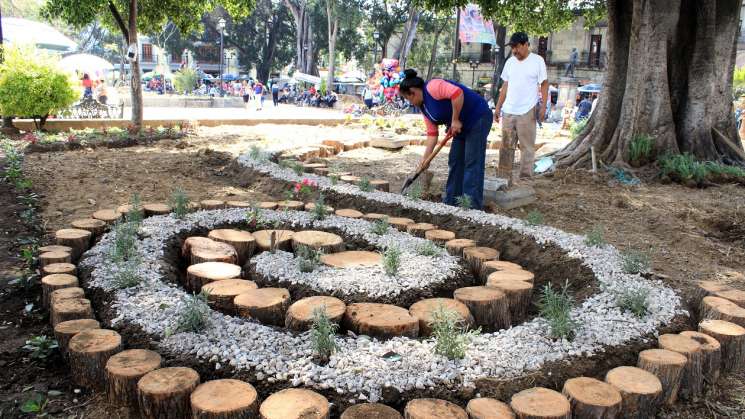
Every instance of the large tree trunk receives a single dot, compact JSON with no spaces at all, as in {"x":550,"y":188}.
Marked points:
{"x":135,"y":84}
{"x":433,"y":56}
{"x":670,"y":65}
{"x":408,"y":37}
{"x":333,"y":26}
{"x":303,"y":36}
{"x":501,"y":32}
{"x":265,"y":66}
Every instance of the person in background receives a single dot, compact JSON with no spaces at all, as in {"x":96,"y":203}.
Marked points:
{"x":87,"y":86}
{"x":275,"y":93}
{"x":583,"y":109}
{"x":573,"y":60}
{"x":367,"y":97}
{"x":102,"y":93}
{"x":259,"y":95}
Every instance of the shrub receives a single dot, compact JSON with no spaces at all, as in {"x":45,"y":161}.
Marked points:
{"x":641,"y":149}
{"x":464,"y":201}
{"x":723,"y":169}
{"x":309,"y":258}
{"x":194,"y":317}
{"x":125,"y":242}
{"x":577,"y":127}
{"x":392,"y":261}
{"x":40,"y":347}
{"x":320,"y":211}
{"x":364,"y":185}
{"x":36,"y":405}
{"x":256,"y":153}
{"x":380,"y":227}
{"x":179,"y":203}
{"x":595,"y":237}
{"x":635,"y":261}
{"x":185,"y":80}
{"x":634,"y":301}
{"x":415,"y":191}
{"x":322,"y":334}
{"x":136,"y":213}
{"x":127,"y":275}
{"x":534,"y":218}
{"x":556,"y":308}
{"x":428,"y":248}
{"x":32,"y":85}
{"x":451,"y":335}
{"x":683,"y":167}
{"x":254,"y":219}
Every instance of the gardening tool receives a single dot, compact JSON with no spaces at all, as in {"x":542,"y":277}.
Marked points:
{"x":425,"y":164}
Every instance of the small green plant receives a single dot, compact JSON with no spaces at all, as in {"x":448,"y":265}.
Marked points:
{"x":28,"y":254}
{"x":723,"y":169}
{"x":683,"y":167}
{"x":127,"y":275}
{"x":125,"y":242}
{"x":392,"y":260}
{"x":635,"y":301}
{"x":428,"y":248}
{"x":576,"y":129}
{"x":36,"y":405}
{"x":451,"y":334}
{"x":320,"y":210}
{"x":254,"y":219}
{"x":309,"y":258}
{"x":595,"y":237}
{"x":635,"y":261}
{"x":380,"y":227}
{"x":641,"y":148}
{"x":255,"y":153}
{"x":135,"y":213}
{"x":40,"y":347}
{"x":534,"y":218}
{"x":194,"y":316}
{"x":288,"y":195}
{"x":322,"y":334}
{"x":334,"y":179}
{"x":464,"y":201}
{"x":364,"y":185}
{"x":179,"y":203}
{"x":415,"y":191}
{"x":556,"y":308}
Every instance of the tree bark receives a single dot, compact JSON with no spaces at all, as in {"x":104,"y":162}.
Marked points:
{"x":134,"y":66}
{"x":408,"y":37}
{"x":303,"y":35}
{"x":501,"y":32}
{"x":333,"y":28}
{"x":648,"y":91}
{"x":433,"y":56}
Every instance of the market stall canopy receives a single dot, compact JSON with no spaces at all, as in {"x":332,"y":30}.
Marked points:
{"x":149,"y":75}
{"x":17,"y":31}
{"x":306,"y":78}
{"x":590,"y":88}
{"x":93,"y":65}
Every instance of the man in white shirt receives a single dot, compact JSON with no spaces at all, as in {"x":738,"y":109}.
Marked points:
{"x":523,"y":73}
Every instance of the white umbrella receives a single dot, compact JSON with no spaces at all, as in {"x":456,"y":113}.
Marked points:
{"x":95,"y":66}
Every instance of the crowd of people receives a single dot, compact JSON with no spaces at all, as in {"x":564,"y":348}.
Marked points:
{"x":94,"y":89}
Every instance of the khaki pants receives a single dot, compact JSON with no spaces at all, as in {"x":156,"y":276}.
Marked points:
{"x":520,"y":129}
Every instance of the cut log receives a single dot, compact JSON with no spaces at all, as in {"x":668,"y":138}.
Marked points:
{"x":95,"y":226}
{"x":352,"y":258}
{"x":194,"y":241}
{"x":51,"y":283}
{"x":212,"y":204}
{"x":202,"y":274}
{"x":419,"y":229}
{"x":491,"y":266}
{"x":732,"y":339}
{"x":156,"y":209}
{"x":267,"y":305}
{"x":380,"y":185}
{"x":311,"y":206}
{"x":540,"y":403}
{"x":692,"y":384}
{"x":668,"y":366}
{"x":221,"y":294}
{"x":476,"y":256}
{"x":718,"y":308}
{"x":214,"y":252}
{"x":78,"y":240}
{"x":322,"y":171}
{"x":518,"y":296}
{"x":124,"y":209}
{"x":55,"y":248}
{"x":489,"y":307}
{"x":456,"y":246}
{"x":124,"y":370}
{"x":736,"y":296}
{"x":509,"y":275}
{"x":290,"y":205}
{"x":400,"y":223}
{"x":238,"y":204}
{"x":370,"y":411}
{"x":640,"y":391}
{"x":59,"y":268}
{"x":712,"y":355}
{"x":422,"y":310}
{"x":591,"y":398}
{"x":380,"y":320}
{"x":709,"y":288}
{"x":165,"y":393}
{"x":439,"y":237}
{"x":268,"y":205}
{"x":295,"y":403}
{"x":350,"y":179}
{"x":108,"y":216}
{"x":336,"y":144}
{"x":300,"y":314}
{"x":349,"y":213}
{"x":71,"y":293}
{"x":48,"y":258}
{"x":283,"y":239}
{"x":224,"y":399}
{"x":64,"y":331}
{"x":318,"y":240}
{"x":70,"y":309}
{"x":309,"y":167}
{"x":242,"y":241}
{"x":433,"y":409}
{"x":89,"y":351}
{"x":488,"y":408}
{"x":372,"y":216}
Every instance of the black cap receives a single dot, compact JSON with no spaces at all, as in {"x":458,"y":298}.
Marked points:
{"x":518,"y":38}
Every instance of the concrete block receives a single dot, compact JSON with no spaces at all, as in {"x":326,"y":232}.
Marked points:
{"x":497,"y":192}
{"x":388,"y":143}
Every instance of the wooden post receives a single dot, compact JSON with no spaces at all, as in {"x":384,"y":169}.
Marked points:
{"x":370,"y":411}
{"x":89,"y":351}
{"x":541,"y":403}
{"x":692,"y":385}
{"x":124,"y":370}
{"x":489,"y":307}
{"x":640,"y":390}
{"x":221,"y":294}
{"x":224,"y":399}
{"x":732,"y":339}
{"x":165,"y":393}
{"x":433,"y":409}
{"x":486,"y":408}
{"x":591,"y":398}
{"x":300,"y":314}
{"x":51,"y":283}
{"x":78,"y":240}
{"x":317,"y":240}
{"x":668,"y":366}
{"x":295,"y":403}
{"x":422,"y":310}
{"x":380,"y":320}
{"x":712,"y":355}
{"x":64,"y":331}
{"x":267,"y":305}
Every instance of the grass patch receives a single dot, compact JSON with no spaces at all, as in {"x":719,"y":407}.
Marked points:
{"x":415,"y":191}
{"x":125,"y":242}
{"x":641,"y":149}
{"x":451,"y":335}
{"x":126,"y":275}
{"x":392,"y":261}
{"x":323,"y":333}
{"x":534,"y":218}
{"x":635,"y":261}
{"x":556,"y":308}
{"x":634,"y":301}
{"x":595,"y":237}
{"x":683,"y":168}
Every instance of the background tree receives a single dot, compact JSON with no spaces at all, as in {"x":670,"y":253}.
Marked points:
{"x":304,"y":43}
{"x":386,"y":16}
{"x":333,"y":29}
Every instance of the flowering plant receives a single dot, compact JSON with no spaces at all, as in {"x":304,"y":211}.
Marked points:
{"x":304,"y":188}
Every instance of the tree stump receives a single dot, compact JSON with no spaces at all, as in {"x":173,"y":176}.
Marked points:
{"x":71,"y":293}
{"x":48,"y":258}
{"x":736,"y":296}
{"x":718,"y":308}
{"x":380,"y":185}
{"x":420,"y":229}
{"x":370,"y":411}
{"x":108,"y":216}
{"x":242,"y":241}
{"x":124,"y":370}
{"x":591,"y":398}
{"x":221,"y":294}
{"x":192,"y":242}
{"x":214,"y":252}
{"x":456,"y":246}
{"x":540,"y":403}
{"x":311,"y":206}
{"x":264,"y":239}
{"x":268,"y":205}
{"x":352,"y":258}
{"x":59,"y":268}
{"x":290,"y":205}
{"x":641,"y":391}
{"x":300,"y":314}
{"x":64,"y":331}
{"x":487,"y":408}
{"x":124,"y":210}
{"x":692,"y":384}
{"x":89,"y":351}
{"x":267,"y":305}
{"x":238,"y":204}
{"x":309,"y":167}
{"x":202,"y":274}
{"x":380,"y":320}
{"x":51,"y":283}
{"x":706,"y":288}
{"x":165,"y":393}
{"x":400,"y":223}
{"x":70,"y":309}
{"x":476,"y":256}
{"x":510,"y":275}
{"x":439,"y":237}
{"x":712,"y":351}
{"x":373,"y":216}
{"x":491,"y":266}
{"x":321,"y":171}
{"x":350,"y":179}
{"x":55,"y":248}
{"x":224,"y":399}
{"x":433,"y":409}
{"x":295,"y":403}
{"x":422,"y":310}
{"x":518,"y":296}
{"x":349,"y":213}
{"x":156,"y":209}
{"x":96,"y":227}
{"x":78,"y":240}
{"x":212,"y":204}
{"x":489,"y":307}
{"x":668,"y":366}
{"x":318,"y":240}
{"x":732,"y":339}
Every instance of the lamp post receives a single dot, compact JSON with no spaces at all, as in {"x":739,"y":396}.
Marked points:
{"x":474,"y":65}
{"x":376,"y":35}
{"x":221,"y":28}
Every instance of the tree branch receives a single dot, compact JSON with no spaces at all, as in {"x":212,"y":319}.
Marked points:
{"x":119,"y":20}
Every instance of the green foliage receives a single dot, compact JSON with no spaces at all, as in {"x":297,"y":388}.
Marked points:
{"x":635,"y":301}
{"x":738,"y":80}
{"x":322,"y":334}
{"x":179,"y":203}
{"x":320,"y":210}
{"x":641,"y":148}
{"x":293,"y":165}
{"x":255,"y":219}
{"x":415,"y":191}
{"x":40,"y":347}
{"x":32,"y":85}
{"x":125,"y":242}
{"x":464,"y":201}
{"x":364,"y":185}
{"x":450,"y":333}
{"x":185,"y":81}
{"x":334,"y":179}
{"x":136,"y":212}
{"x":256,"y":153}
{"x":392,"y":260}
{"x":428,"y":248}
{"x":595,"y":237}
{"x":194,"y":316}
{"x":635,"y":261}
{"x":534,"y":218}
{"x":556,"y":308}
{"x":308,"y":258}
{"x":723,"y":169}
{"x":683,"y":167}
{"x":323,"y":88}
{"x":577,"y":127}
{"x":127,"y":275}
{"x":380,"y":227}
{"x":13,"y":170}
{"x":36,"y":405}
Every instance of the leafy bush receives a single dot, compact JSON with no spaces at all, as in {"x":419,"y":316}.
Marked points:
{"x":380,"y":227}
{"x":641,"y":149}
{"x":179,"y":203}
{"x":185,"y":80}
{"x":32,"y":85}
{"x":428,"y":248}
{"x":392,"y":261}
{"x":334,"y":179}
{"x":683,"y":167}
{"x":635,"y":261}
{"x":556,"y":308}
{"x":738,"y":84}
{"x":534,"y":218}
{"x":577,"y":127}
{"x":322,"y":334}
{"x":309,"y":258}
{"x":634,"y":301}
{"x":194,"y":317}
{"x":595,"y":237}
{"x":40,"y":347}
{"x":723,"y":169}
{"x":364,"y":185}
{"x":464,"y":201}
{"x":451,"y":335}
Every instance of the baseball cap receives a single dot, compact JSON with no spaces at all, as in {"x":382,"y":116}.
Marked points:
{"x":518,"y":38}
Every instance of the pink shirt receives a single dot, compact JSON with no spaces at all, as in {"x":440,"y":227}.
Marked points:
{"x":440,"y":89}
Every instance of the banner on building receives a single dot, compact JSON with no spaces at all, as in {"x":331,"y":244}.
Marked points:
{"x":474,"y":28}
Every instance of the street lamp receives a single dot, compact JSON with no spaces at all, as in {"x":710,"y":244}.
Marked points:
{"x":376,"y":35}
{"x":221,"y":28}
{"x":474,"y":65}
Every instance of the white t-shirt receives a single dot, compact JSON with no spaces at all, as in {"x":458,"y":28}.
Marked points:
{"x":523,"y":77}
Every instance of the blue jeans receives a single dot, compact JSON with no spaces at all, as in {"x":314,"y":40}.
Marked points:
{"x":467,"y":161}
